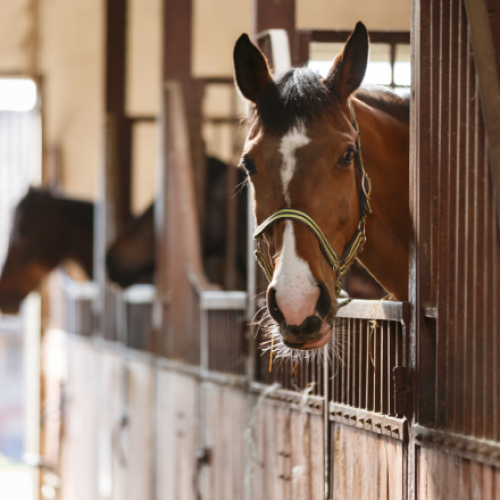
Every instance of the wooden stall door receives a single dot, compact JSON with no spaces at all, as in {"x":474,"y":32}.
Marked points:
{"x":455,"y":449}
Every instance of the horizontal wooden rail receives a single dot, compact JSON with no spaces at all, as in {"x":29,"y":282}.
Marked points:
{"x":221,"y":300}
{"x":375,"y":309}
{"x":139,"y":294}
{"x":79,"y":290}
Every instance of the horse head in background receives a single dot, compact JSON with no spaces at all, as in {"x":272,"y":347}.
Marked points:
{"x":311,"y":185}
{"x":132,"y":259}
{"x":46,"y":230}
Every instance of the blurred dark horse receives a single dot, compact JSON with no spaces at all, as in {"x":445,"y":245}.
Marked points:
{"x":46,"y":230}
{"x":131,"y":258}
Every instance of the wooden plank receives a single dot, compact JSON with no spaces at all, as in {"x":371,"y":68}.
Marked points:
{"x":140,"y":432}
{"x":366,"y":466}
{"x":289,"y":459}
{"x":441,"y":475}
{"x":79,"y":468}
{"x":178,"y":436}
{"x":111,"y":432}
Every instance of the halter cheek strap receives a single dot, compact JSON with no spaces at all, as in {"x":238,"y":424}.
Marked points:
{"x":355,"y":245}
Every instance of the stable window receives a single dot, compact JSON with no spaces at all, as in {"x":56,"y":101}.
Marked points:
{"x":389,"y":63}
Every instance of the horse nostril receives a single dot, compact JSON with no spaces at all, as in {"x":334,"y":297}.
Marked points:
{"x":272,"y":306}
{"x":324,"y":303}
{"x":309,"y":331}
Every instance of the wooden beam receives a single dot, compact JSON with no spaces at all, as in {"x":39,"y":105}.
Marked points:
{"x":176,"y":64}
{"x":276,"y":14}
{"x":118,"y":175}
{"x":113,"y":204}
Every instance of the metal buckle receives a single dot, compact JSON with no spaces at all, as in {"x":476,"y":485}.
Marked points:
{"x":365,"y":185}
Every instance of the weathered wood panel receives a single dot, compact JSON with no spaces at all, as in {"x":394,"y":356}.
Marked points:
{"x":225,"y":423}
{"x":366,"y":466}
{"x":111,"y":433}
{"x":286,"y":453}
{"x":54,"y":372}
{"x":442,"y":476}
{"x":138,"y":480}
{"x":177,"y":436}
{"x":78,"y":467}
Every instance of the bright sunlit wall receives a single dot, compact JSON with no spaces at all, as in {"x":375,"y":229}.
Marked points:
{"x":379,"y":70}
{"x":17,"y":94}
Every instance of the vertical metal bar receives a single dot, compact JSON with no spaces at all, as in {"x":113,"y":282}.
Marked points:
{"x":328,"y":451}
{"x":474,"y":256}
{"x":367,"y":365}
{"x":251,"y":286}
{"x":495,"y":332}
{"x":459,"y":229}
{"x":487,"y":306}
{"x":383,"y":407}
{"x":375,"y":366}
{"x":343,"y":378}
{"x":465,"y":264}
{"x":348,"y":381}
{"x":352,"y":328}
{"x":390,"y":365}
{"x":360,"y":361}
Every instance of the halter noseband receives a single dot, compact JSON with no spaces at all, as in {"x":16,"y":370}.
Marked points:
{"x":355,"y":245}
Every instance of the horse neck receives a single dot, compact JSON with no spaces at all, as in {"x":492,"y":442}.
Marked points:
{"x":77,"y":220}
{"x":385,"y":151}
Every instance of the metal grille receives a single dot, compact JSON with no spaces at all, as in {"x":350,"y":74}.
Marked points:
{"x":139,"y":326}
{"x":226,"y":341}
{"x":362,"y":370}
{"x":291,"y":375}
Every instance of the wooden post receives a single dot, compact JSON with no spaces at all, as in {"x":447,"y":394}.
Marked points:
{"x":113,"y":204}
{"x":277,"y":14}
{"x":118,"y":169}
{"x":177,"y":56}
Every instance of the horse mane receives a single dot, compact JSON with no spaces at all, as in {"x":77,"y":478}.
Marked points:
{"x":299,"y":95}
{"x":386,"y":101}
{"x":78,"y":212}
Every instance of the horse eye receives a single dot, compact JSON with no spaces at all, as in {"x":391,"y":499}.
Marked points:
{"x":249,"y":165}
{"x":347,"y":157}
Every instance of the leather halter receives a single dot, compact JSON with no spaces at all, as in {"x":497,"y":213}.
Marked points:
{"x":355,"y":245}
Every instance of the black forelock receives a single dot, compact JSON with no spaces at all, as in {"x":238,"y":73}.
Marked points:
{"x":299,"y":95}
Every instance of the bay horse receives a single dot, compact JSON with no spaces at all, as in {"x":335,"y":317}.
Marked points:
{"x":46,"y":230}
{"x":132,"y":258}
{"x":312,"y":148}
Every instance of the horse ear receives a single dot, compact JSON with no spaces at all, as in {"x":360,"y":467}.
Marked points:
{"x":349,"y":67}
{"x":251,"y":72}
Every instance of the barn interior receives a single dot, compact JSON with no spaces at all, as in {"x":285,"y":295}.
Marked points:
{"x":133,"y":368}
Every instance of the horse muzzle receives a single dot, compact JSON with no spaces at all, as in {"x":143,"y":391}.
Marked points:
{"x":314,"y":332}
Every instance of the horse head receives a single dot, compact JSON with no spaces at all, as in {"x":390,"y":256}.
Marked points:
{"x":301,"y":155}
{"x":131,"y":257}
{"x":45,"y":231}
{"x":30,"y":256}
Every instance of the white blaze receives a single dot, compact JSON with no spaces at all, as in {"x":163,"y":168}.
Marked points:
{"x":296,"y":290}
{"x":290,"y":142}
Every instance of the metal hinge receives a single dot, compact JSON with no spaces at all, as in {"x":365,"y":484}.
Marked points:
{"x":402,"y":393}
